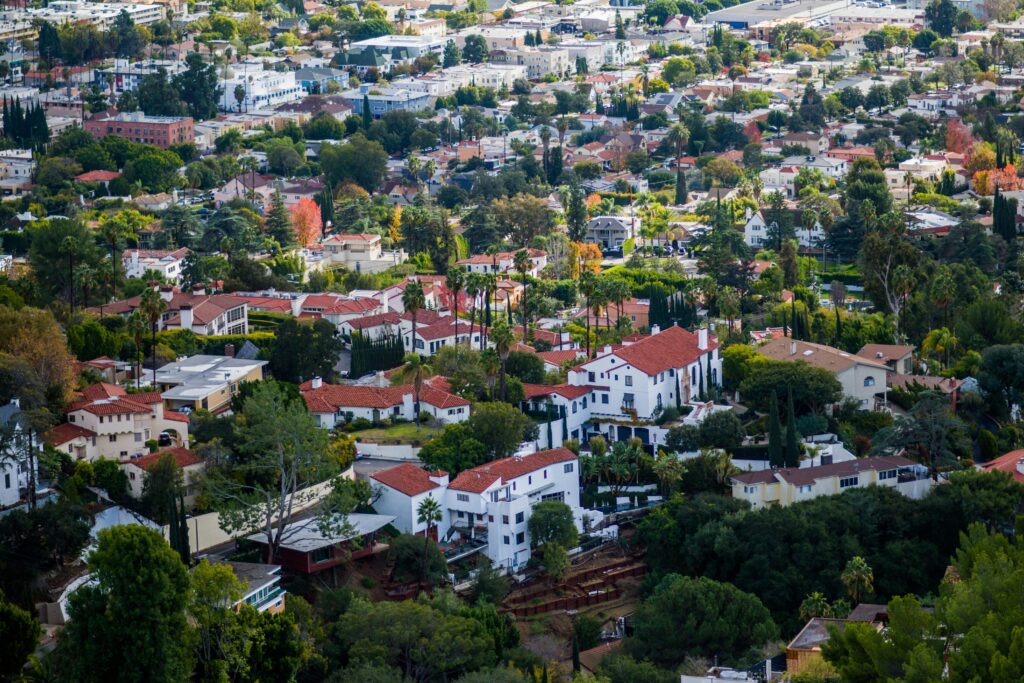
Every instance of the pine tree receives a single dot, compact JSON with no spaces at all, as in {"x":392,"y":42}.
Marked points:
{"x":775,"y":456}
{"x":792,"y":444}
{"x":279,"y":222}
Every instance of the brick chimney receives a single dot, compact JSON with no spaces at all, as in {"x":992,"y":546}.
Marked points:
{"x":229,"y":350}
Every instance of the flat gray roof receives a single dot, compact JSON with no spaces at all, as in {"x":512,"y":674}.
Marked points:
{"x":305,"y":536}
{"x":751,"y":13}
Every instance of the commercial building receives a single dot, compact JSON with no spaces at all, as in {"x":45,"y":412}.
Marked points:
{"x":159,"y":131}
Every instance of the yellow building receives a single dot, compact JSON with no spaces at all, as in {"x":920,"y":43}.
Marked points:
{"x":205,"y":382}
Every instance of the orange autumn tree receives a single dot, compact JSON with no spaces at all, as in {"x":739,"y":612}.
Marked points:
{"x":986,"y":182}
{"x":306,"y":221}
{"x":958,"y":137}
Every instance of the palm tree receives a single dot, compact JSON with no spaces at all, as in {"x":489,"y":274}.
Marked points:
{"x":501,"y":338}
{"x":858,"y":578}
{"x":137,"y":328}
{"x":490,"y":364}
{"x":413,"y":300}
{"x":152,"y":307}
{"x":522,"y":265}
{"x":619,"y":290}
{"x":85,"y":278}
{"x":938,"y":344}
{"x":428,"y":512}
{"x":474,"y":285}
{"x":545,"y":138}
{"x":112,"y":232}
{"x":415,"y":370}
{"x":455,"y":280}
{"x":678,"y":136}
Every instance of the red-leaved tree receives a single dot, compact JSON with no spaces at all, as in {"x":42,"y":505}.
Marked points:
{"x":306,"y":221}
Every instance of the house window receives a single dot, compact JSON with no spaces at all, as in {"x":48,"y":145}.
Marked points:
{"x":887,"y":474}
{"x":627,"y":400}
{"x":138,"y":437}
{"x":568,"y":468}
{"x":869,"y":381}
{"x":560,"y":496}
{"x":320,"y":555}
{"x":131,"y":475}
{"x":7,"y":480}
{"x":529,"y":480}
{"x":545,"y":474}
{"x":847,"y":482}
{"x":804,"y":488}
{"x":505,"y":539}
{"x":520,"y":538}
{"x":590,"y":376}
{"x":462,"y":497}
{"x":519,"y":517}
{"x":574,"y":407}
{"x":113,"y":438}
{"x":749,"y":489}
{"x":604,"y":399}
{"x":504,"y":519}
{"x":490,"y":519}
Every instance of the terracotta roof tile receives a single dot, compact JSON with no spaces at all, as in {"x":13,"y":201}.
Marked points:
{"x":183,"y":457}
{"x":478,"y":479}
{"x":408,"y":479}
{"x":65,"y":432}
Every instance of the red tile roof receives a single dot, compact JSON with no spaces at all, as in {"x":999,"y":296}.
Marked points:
{"x":568,"y":391}
{"x":329,"y":397}
{"x":408,"y":479}
{"x":183,"y":457}
{"x":559,"y":357}
{"x":670,"y":348}
{"x":1012,"y":462}
{"x":97,"y":176}
{"x":62,"y":433}
{"x":477,"y":480}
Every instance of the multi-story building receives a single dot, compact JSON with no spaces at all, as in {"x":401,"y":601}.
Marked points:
{"x":160,"y":131}
{"x":16,"y":169}
{"x":15,"y":471}
{"x":862,"y":379}
{"x":486,"y":506}
{"x":360,"y":252}
{"x":539,"y":61}
{"x":610,"y":231}
{"x":166,"y":262}
{"x":785,"y":486}
{"x":100,"y":14}
{"x":415,"y":46}
{"x":333,"y":404}
{"x":252,"y":87}
{"x":206,"y":382}
{"x":385,"y":99}
{"x":105,"y":421}
{"x":756,"y":232}
{"x":125,"y":75}
{"x":202,"y":313}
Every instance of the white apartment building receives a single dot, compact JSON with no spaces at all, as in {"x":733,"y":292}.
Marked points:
{"x":489,"y":505}
{"x":261,"y":88}
{"x":100,"y":14}
{"x":416,"y":46}
{"x":539,"y":61}
{"x":785,"y":486}
{"x":108,"y":422}
{"x":125,"y":75}
{"x":334,"y":404}
{"x":167,"y":262}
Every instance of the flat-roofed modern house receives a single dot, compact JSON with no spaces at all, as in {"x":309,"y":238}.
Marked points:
{"x":306,"y":549}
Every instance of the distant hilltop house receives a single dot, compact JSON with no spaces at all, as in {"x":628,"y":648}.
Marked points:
{"x":360,"y":253}
{"x":333,"y":404}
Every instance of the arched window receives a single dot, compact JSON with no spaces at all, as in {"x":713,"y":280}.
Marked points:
{"x":869,"y":381}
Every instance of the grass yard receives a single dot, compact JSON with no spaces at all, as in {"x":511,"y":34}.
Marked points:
{"x":404,"y":433}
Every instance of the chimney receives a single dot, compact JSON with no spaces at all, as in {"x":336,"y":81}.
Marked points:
{"x":229,"y":350}
{"x":655,"y":329}
{"x":199,"y":289}
{"x":440,"y":477}
{"x":702,"y":339}
{"x":16,"y":402}
{"x":316,"y":383}
{"x":296,"y":306}
{"x":185,"y":312}
{"x":166,"y":292}
{"x":792,"y":348}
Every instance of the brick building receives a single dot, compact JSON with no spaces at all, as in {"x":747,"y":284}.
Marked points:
{"x":160,"y":131}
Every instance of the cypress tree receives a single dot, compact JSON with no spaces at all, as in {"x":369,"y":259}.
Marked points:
{"x":598,"y":105}
{"x":775,"y":457}
{"x":839,"y":327}
{"x":681,"y":193}
{"x":551,"y":418}
{"x":184,"y":546}
{"x":679,"y":394}
{"x":797,"y":333}
{"x":575,"y":654}
{"x":700,"y":384}
{"x":367,"y":116}
{"x":792,"y":443}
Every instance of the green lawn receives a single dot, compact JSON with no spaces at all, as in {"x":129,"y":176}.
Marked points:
{"x":400,"y":433}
